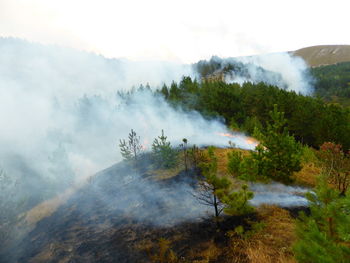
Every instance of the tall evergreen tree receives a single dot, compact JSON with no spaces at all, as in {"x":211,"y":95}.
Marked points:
{"x":278,"y":155}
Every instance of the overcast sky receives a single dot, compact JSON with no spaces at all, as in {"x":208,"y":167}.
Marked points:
{"x":177,"y":30}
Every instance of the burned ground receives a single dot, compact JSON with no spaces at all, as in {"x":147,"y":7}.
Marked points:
{"x":121,"y":214}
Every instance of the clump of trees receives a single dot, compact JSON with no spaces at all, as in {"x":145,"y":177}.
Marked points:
{"x":309,"y":119}
{"x":163,"y":154}
{"x":333,"y":82}
{"x":276,"y":157}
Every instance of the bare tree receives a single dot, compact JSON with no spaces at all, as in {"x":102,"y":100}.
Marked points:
{"x":206,"y":195}
{"x":185,"y":152}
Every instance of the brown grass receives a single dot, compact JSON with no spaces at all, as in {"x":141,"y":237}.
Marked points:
{"x":163,"y":174}
{"x":308,"y":175}
{"x":257,"y":254}
{"x":221,"y":154}
{"x":273,"y":243}
{"x":324,"y":54}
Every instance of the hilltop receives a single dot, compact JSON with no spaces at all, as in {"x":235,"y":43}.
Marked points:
{"x":316,"y":56}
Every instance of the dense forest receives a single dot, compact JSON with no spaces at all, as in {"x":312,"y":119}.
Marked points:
{"x":333,"y":82}
{"x":311,"y":120}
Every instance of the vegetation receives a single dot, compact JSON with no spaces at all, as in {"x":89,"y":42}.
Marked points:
{"x":132,"y":149}
{"x":310,"y":120}
{"x":336,"y":166}
{"x":163,"y":154}
{"x":324,"y":235}
{"x":297,"y":134}
{"x":333,"y":82}
{"x":164,"y":253}
{"x":276,"y":157}
{"x":217,"y":191}
{"x":212,"y":186}
{"x":185,"y":152}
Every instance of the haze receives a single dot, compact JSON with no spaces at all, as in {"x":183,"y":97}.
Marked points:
{"x":182,"y":31}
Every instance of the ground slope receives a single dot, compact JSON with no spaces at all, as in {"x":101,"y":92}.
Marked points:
{"x":324,"y":54}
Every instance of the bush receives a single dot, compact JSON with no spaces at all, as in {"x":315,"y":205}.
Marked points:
{"x":164,"y":156}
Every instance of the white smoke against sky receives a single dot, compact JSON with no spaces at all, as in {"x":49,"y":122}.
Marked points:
{"x":293,"y":72}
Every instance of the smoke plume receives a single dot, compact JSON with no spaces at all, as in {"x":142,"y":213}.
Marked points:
{"x":279,"y":69}
{"x":64,"y":111}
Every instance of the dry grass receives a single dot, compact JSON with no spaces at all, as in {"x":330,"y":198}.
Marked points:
{"x":257,"y":254}
{"x":273,"y":243}
{"x":48,"y":207}
{"x":163,"y":174}
{"x":324,"y":55}
{"x":270,"y":244}
{"x":308,"y":175}
{"x":221,"y":154}
{"x":205,"y":253}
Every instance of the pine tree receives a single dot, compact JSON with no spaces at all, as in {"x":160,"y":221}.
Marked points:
{"x":164,"y":155}
{"x":131,"y":150}
{"x":236,"y":202}
{"x":217,"y":191}
{"x":212,"y":185}
{"x":278,"y":155}
{"x":324,"y":236}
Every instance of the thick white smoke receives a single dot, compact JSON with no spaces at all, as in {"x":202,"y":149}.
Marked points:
{"x":280,"y":69}
{"x":62,"y":117}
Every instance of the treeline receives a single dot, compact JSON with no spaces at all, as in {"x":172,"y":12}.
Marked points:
{"x":244,"y":107}
{"x":333,"y":82}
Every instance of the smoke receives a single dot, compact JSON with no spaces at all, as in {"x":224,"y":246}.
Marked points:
{"x":64,"y":111}
{"x":145,"y":198}
{"x":279,"y":194}
{"x":279,"y":69}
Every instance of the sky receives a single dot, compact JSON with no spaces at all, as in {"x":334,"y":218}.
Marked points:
{"x":181,"y":31}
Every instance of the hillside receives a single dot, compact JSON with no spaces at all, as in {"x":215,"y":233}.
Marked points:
{"x":324,"y":54}
{"x":119,"y":216}
{"x":333,"y":82}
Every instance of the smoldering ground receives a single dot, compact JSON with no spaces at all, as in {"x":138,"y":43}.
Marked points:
{"x":108,"y":218}
{"x":279,"y":194}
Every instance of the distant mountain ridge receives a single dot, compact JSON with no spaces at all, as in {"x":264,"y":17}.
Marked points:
{"x":316,"y":56}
